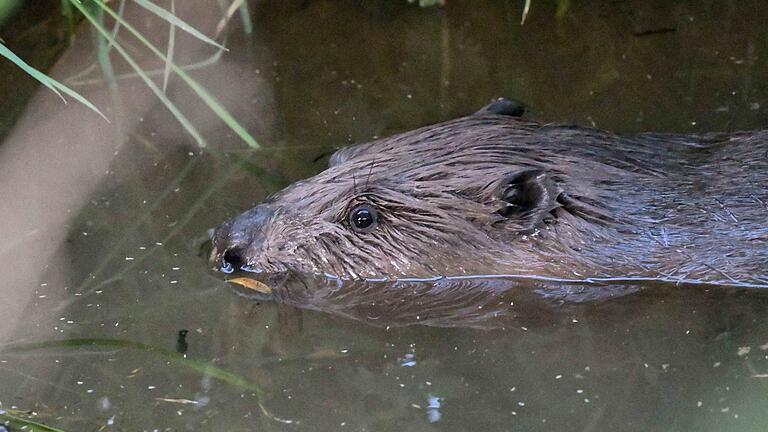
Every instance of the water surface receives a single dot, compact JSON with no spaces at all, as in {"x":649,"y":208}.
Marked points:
{"x":105,"y":224}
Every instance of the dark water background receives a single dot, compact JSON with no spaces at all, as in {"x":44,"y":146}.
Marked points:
{"x":121,"y":257}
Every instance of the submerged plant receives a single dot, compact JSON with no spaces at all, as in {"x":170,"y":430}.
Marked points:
{"x":20,"y":420}
{"x":47,"y":81}
{"x":94,"y":10}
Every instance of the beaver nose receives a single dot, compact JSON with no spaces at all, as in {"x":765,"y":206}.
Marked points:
{"x":239,"y":238}
{"x":233,"y":258}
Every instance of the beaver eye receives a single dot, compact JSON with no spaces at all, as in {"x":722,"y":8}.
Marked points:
{"x":363,"y":218}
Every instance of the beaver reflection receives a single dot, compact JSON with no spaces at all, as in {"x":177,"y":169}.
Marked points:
{"x":494,"y":194}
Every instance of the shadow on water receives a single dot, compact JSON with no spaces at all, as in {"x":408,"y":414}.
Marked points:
{"x":103,"y":226}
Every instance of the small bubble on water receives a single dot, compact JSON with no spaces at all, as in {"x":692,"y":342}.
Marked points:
{"x":433,"y":408}
{"x":408,"y":360}
{"x":104,"y":404}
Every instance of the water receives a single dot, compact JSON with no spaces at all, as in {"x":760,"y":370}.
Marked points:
{"x":105,"y":224}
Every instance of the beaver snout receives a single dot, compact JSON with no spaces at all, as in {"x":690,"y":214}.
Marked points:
{"x":238,"y":237}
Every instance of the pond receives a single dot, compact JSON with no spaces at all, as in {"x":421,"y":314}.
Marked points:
{"x":111,"y":319}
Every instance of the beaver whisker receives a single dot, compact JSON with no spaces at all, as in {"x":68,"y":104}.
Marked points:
{"x":370,"y":171}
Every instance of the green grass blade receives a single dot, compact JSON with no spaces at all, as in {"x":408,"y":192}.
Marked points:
{"x":175,"y":21}
{"x":245,"y":15}
{"x":526,"y":9}
{"x":34,"y":73}
{"x":76,"y":96}
{"x":155,"y":89}
{"x":230,"y":10}
{"x":116,"y":28}
{"x":80,"y":79}
{"x":105,"y":64}
{"x":66,"y":12}
{"x":169,"y":51}
{"x":217,"y":108}
{"x":208,"y":98}
{"x":12,"y":417}
{"x":47,"y":81}
{"x":202,"y":367}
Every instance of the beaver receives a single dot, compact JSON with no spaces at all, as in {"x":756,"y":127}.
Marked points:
{"x":493,"y":194}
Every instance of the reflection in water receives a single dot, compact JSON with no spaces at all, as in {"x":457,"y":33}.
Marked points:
{"x":433,"y":408}
{"x":103,"y":226}
{"x":481,"y":301}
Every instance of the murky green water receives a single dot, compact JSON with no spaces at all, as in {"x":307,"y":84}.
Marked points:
{"x":103,"y":226}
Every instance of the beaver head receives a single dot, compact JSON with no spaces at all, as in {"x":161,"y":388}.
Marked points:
{"x":491,"y":193}
{"x":466,"y":196}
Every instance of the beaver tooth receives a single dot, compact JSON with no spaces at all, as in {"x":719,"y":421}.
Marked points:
{"x":251,"y":284}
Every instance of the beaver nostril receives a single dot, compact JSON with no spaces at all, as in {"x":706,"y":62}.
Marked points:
{"x":233,"y":259}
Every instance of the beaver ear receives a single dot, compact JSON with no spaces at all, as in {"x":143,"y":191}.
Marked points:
{"x":339,"y":157}
{"x":345,"y":154}
{"x":527,"y":197}
{"x":503,"y":106}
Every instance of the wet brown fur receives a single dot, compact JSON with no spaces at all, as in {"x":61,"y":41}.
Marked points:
{"x":660,"y":206}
